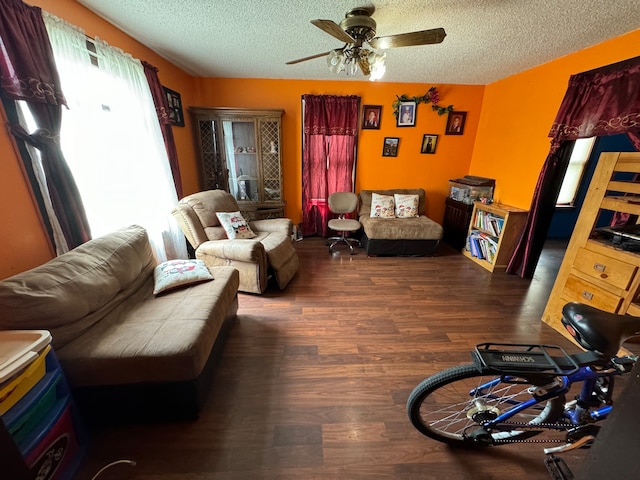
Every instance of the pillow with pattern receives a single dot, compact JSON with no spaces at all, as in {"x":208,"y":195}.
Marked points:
{"x":406,"y":205}
{"x":235,"y":225}
{"x":179,"y":273}
{"x":381,"y":206}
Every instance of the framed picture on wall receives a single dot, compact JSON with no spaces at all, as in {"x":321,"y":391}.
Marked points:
{"x":455,"y":123}
{"x":390,"y":147}
{"x":407,"y":114}
{"x":174,"y":102}
{"x":371,"y":117}
{"x":429,"y":142}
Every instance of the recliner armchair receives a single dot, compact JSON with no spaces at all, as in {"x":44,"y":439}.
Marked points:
{"x":270,"y":252}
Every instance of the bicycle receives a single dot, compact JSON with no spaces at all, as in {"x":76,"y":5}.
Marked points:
{"x":513,"y":392}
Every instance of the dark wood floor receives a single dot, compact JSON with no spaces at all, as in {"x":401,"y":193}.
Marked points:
{"x":312,"y":382}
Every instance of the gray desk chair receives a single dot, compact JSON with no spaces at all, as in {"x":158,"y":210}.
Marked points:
{"x":342,"y":203}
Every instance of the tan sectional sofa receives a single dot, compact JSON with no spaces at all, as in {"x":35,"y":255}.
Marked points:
{"x":126,"y":353}
{"x":398,"y":236}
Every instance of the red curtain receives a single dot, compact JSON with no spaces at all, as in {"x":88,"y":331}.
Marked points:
{"x":160,"y":101}
{"x":600,"y":102}
{"x":28,"y":72}
{"x":330,"y":133}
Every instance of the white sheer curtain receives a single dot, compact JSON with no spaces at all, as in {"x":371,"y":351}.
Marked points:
{"x":112,"y":140}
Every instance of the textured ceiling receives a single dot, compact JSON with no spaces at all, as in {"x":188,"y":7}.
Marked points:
{"x":486,"y":39}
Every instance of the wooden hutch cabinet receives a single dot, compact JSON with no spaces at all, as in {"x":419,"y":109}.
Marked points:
{"x":600,"y":268}
{"x":240,"y":152}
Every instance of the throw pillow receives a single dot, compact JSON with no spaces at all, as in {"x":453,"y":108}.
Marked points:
{"x":178,"y":273}
{"x":406,"y":205}
{"x":382,"y":206}
{"x":235,"y":225}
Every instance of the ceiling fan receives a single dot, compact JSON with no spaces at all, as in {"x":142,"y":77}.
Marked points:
{"x":358,"y":28}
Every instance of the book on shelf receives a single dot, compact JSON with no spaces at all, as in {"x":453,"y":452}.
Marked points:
{"x":489,"y":222}
{"x":482,"y":246}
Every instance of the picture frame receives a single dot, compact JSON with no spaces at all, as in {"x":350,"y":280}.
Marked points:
{"x":406,"y":114}
{"x":429,"y":143}
{"x":371,"y":116}
{"x":390,"y":146}
{"x":455,"y":123}
{"x":174,"y":103}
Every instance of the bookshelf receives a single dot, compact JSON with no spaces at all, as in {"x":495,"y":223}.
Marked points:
{"x":493,"y":234}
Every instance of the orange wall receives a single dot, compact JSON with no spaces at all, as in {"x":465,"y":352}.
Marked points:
{"x":512,"y":141}
{"x":410,"y":169}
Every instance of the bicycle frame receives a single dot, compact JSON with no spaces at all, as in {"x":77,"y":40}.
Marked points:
{"x":585,"y":375}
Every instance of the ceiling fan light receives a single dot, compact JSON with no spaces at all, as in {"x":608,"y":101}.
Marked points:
{"x":377,"y":72}
{"x":335,"y":61}
{"x":365,"y":66}
{"x":378,"y":67}
{"x":334,"y":58}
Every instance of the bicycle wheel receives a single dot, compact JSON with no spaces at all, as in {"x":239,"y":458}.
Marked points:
{"x":451,"y":405}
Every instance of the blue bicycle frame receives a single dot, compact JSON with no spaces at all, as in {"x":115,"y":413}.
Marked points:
{"x":585,"y":375}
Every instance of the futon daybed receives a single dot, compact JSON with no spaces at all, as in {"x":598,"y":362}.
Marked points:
{"x":415,"y":236}
{"x":127,"y":354}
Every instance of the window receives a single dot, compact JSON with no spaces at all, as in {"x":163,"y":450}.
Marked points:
{"x":112,"y":141}
{"x":577,"y":163}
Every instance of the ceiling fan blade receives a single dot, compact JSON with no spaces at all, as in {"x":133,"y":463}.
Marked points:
{"x":292,"y":62}
{"x":333,"y":29}
{"x":423,"y":37}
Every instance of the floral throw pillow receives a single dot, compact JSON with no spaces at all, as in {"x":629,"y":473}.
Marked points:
{"x":235,"y":225}
{"x":178,"y":273}
{"x":381,"y":206}
{"x":406,"y":205}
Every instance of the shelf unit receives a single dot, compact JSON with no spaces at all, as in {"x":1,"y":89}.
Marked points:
{"x":594,"y":270}
{"x":493,"y":234}
{"x":240,"y":152}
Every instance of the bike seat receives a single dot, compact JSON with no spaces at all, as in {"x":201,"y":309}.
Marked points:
{"x":597,"y":330}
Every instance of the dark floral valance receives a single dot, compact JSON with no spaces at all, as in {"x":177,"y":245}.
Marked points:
{"x":331,"y":115}
{"x":27,"y":69}
{"x":600,"y":102}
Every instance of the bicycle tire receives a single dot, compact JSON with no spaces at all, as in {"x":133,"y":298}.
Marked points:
{"x":441,"y":407}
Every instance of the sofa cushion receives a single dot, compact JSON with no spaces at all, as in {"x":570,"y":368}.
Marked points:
{"x":365,"y":198}
{"x":406,"y":205}
{"x":174,"y":274}
{"x":382,"y":206}
{"x":73,"y":291}
{"x":153,"y":339}
{"x":418,"y":228}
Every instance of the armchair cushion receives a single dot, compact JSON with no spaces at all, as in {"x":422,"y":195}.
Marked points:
{"x":235,"y":225}
{"x":250,"y":250}
{"x":273,"y":225}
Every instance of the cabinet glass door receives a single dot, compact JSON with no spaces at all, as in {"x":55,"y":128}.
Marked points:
{"x":269,"y":133}
{"x":242,"y":160}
